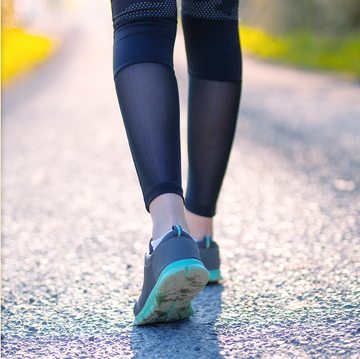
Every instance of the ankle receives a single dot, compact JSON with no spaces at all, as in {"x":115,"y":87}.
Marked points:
{"x":166,"y":211}
{"x":199,"y":226}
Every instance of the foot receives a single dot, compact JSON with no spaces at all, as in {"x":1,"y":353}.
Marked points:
{"x":173,"y":276}
{"x":210,"y":256}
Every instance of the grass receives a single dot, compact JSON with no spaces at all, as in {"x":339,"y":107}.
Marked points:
{"x":21,"y":52}
{"x":306,"y":49}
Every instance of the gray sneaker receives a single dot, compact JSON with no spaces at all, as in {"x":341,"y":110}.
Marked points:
{"x":209,"y":254}
{"x":173,"y":276}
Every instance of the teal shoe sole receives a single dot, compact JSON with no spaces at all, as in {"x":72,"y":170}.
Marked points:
{"x":215,"y":275}
{"x":170,"y":300}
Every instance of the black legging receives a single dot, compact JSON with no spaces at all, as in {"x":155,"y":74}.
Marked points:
{"x":144,"y":35}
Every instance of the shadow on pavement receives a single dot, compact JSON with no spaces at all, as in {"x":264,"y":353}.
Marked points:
{"x":194,"y":337}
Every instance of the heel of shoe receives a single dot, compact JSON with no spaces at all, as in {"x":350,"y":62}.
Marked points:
{"x":170,"y":299}
{"x":190,"y":267}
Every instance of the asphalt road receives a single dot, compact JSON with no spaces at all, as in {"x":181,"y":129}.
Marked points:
{"x":75,"y":229}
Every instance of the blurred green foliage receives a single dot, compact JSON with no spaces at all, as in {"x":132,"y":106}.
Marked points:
{"x":324,"y":52}
{"x":306,"y":49}
{"x":335,"y":17}
{"x":317,"y":34}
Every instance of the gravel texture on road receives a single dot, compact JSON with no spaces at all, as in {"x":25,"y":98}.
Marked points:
{"x":74,"y":227}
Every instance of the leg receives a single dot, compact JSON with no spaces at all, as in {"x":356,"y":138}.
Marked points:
{"x":214,"y":58}
{"x":148,"y":97}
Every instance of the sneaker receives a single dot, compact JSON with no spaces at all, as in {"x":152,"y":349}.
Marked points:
{"x":209,"y":254}
{"x":173,"y":276}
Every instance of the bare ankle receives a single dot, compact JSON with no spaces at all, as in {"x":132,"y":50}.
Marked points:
{"x":199,"y":226}
{"x":167,"y":210}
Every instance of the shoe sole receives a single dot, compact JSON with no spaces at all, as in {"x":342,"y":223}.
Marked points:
{"x":170,"y":300}
{"x":215,"y":275}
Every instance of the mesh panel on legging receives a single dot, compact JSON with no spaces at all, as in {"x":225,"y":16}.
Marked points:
{"x":148,"y":98}
{"x":144,"y":35}
{"x":213,"y":108}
